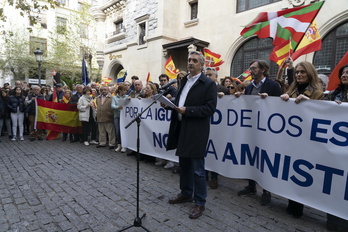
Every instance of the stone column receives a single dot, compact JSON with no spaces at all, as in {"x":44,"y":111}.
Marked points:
{"x":99,"y":16}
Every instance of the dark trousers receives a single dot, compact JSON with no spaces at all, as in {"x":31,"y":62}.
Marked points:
{"x":193,"y":179}
{"x":87,"y":128}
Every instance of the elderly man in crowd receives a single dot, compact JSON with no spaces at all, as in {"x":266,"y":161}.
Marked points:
{"x":138,"y":90}
{"x":105,"y":119}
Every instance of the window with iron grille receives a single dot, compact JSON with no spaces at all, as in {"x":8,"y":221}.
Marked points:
{"x":254,"y":48}
{"x":118,"y":27}
{"x":334,"y":46}
{"x":194,"y":10}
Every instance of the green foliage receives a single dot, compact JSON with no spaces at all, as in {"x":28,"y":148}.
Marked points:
{"x":27,"y":8}
{"x":14,"y":61}
{"x":69,"y":81}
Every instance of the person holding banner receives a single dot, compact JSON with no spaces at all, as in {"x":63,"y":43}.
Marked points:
{"x":304,"y":87}
{"x":262,"y":86}
{"x":339,"y":95}
{"x":189,"y":132}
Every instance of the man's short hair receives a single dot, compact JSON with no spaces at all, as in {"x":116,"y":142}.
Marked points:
{"x":201,"y":57}
{"x":262,"y":65}
{"x":212,"y":69}
{"x":35,"y":87}
{"x":134,"y":78}
{"x":163,"y":75}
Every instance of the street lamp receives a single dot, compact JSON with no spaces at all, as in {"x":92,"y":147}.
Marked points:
{"x":38,"y":55}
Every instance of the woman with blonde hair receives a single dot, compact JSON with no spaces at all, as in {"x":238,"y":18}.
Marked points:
{"x":150,"y":90}
{"x":304,"y":87}
{"x":305,"y":84}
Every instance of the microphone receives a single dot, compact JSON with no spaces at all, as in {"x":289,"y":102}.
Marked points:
{"x":168,"y":84}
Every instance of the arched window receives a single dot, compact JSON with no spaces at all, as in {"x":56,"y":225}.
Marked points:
{"x":334,"y":46}
{"x":253,"y":49}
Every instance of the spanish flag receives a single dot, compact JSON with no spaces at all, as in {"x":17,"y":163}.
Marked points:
{"x":106,"y":80}
{"x":212,"y":59}
{"x":171,"y":71}
{"x":310,"y":42}
{"x":148,"y":78}
{"x":65,"y":100}
{"x":57,"y":117}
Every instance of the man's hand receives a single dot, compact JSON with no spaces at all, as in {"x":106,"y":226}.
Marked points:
{"x":181,"y":110}
{"x":263,"y":95}
{"x":220,"y":94}
{"x":237,"y":94}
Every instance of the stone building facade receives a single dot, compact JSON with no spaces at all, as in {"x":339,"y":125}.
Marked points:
{"x":140,"y":35}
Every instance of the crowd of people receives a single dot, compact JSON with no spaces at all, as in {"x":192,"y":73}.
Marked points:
{"x":99,"y":112}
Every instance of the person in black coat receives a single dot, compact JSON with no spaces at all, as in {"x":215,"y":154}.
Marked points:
{"x":189,"y":132}
{"x":74,"y":100}
{"x":17,"y":109}
{"x":5,"y":117}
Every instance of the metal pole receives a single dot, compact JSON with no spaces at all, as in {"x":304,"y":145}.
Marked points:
{"x":39,"y":73}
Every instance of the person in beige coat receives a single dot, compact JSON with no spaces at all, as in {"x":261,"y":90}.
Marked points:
{"x":105,"y":118}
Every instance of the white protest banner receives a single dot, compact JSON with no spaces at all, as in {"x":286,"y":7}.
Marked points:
{"x":298,"y":151}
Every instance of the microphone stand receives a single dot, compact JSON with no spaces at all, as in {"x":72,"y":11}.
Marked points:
{"x":137,"y":221}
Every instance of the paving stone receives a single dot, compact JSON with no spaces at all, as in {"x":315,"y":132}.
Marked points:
{"x":72,"y":187}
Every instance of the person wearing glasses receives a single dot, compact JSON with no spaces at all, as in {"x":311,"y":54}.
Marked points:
{"x":230,"y":84}
{"x":263,"y":86}
{"x":170,"y":92}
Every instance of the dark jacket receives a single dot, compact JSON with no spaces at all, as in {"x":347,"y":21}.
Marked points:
{"x":270,"y":87}
{"x":59,"y":96}
{"x":5,"y":112}
{"x":14,"y":102}
{"x":2,"y":109}
{"x":75,"y":98}
{"x":171,"y":90}
{"x":30,"y":103}
{"x":190,"y":135}
{"x":221,"y":88}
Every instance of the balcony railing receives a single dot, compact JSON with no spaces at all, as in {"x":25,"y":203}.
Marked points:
{"x":112,"y":34}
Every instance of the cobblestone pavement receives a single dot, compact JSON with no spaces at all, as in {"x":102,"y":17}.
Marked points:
{"x":62,"y":186}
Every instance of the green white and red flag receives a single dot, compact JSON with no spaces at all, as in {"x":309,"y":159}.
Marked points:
{"x":285,"y":26}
